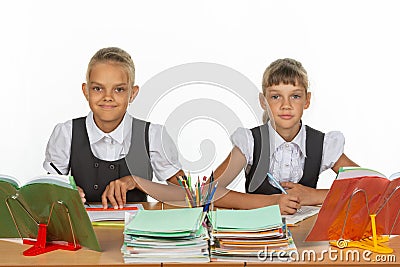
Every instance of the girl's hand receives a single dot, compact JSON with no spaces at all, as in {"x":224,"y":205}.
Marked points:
{"x":288,"y":204}
{"x":81,"y":194}
{"x":115,"y":192}
{"x":307,"y":195}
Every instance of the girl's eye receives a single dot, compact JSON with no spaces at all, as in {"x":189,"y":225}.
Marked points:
{"x":96,"y":88}
{"x":119,"y":89}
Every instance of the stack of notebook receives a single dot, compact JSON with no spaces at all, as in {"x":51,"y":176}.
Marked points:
{"x":250,"y":235}
{"x":174,"y":235}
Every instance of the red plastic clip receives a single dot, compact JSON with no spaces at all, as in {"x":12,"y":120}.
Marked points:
{"x":40,"y":246}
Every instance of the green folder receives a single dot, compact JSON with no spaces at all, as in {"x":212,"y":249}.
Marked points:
{"x":45,"y":200}
{"x":268,"y":217}
{"x":166,"y":223}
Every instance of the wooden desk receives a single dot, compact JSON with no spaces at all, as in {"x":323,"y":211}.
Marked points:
{"x":111,"y":238}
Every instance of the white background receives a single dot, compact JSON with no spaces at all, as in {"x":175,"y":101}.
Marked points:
{"x":349,"y":48}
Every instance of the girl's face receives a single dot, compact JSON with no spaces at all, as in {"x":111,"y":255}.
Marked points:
{"x":287,"y":103}
{"x":109,"y":94}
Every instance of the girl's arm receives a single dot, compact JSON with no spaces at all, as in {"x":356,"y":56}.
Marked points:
{"x":343,"y":161}
{"x":308,"y":196}
{"x":174,"y":178}
{"x":288,"y":204}
{"x":116,"y":190}
{"x":311,"y":196}
{"x":230,"y":167}
{"x":229,"y":170}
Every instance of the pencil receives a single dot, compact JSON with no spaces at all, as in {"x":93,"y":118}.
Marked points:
{"x":210,"y":197}
{"x":199,"y":190}
{"x":189,"y":195}
{"x":189,"y":180}
{"x":114,"y":224}
{"x":188,"y":201}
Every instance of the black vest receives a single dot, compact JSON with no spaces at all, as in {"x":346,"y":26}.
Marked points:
{"x":261,"y":158}
{"x":93,"y":174}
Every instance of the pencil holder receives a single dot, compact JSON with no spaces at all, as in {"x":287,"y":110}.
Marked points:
{"x":201,"y":193}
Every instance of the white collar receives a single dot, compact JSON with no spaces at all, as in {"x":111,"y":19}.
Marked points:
{"x":122,"y":131}
{"x":276,"y":140}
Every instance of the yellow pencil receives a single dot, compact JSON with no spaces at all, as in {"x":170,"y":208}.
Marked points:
{"x":188,"y":201}
{"x":114,"y":224}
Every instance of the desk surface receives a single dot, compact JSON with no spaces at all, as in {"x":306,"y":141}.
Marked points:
{"x":111,"y":238}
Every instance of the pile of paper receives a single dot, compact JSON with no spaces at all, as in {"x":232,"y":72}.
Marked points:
{"x":97,"y":213}
{"x":256,"y":235}
{"x":173,"y":235}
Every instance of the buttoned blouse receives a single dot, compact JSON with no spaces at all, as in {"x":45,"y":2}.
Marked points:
{"x":287,"y":158}
{"x":113,"y":146}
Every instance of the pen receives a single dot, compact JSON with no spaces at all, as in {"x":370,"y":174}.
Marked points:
{"x":275,"y":183}
{"x":55,"y":168}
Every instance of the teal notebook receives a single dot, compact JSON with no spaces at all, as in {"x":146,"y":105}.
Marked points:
{"x":245,"y":220}
{"x":166,"y":223}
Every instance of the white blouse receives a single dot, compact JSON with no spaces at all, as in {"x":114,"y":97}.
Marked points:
{"x":287,"y":158}
{"x":113,"y":146}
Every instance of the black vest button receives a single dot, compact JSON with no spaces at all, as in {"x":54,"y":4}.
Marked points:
{"x":112,"y":167}
{"x":96,"y":186}
{"x":96,"y":165}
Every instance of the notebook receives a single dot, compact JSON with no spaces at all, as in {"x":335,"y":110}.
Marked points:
{"x":97,"y":213}
{"x":165,"y":223}
{"x":256,"y":219}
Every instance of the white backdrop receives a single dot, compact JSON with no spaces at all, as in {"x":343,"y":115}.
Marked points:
{"x":349,"y":48}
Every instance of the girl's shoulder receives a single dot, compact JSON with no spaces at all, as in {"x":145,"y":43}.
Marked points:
{"x":243,"y":139}
{"x":63,"y":128}
{"x":242,"y":133}
{"x":334,"y":134}
{"x":334,"y":138}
